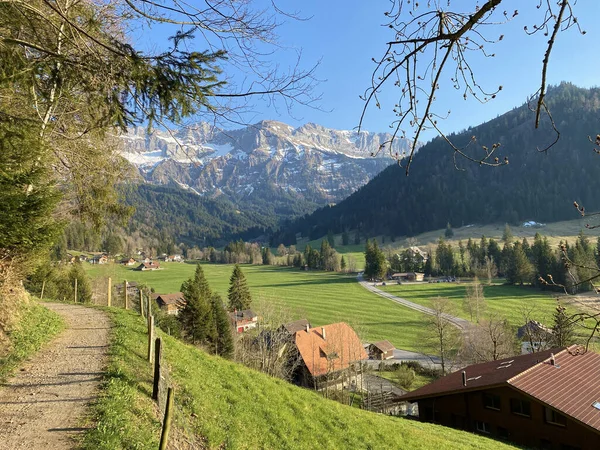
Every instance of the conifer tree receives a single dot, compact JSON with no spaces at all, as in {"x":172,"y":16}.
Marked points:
{"x":449,"y":233}
{"x":519,"y":268}
{"x":239,"y":293}
{"x":562,"y":328}
{"x":330,"y":238}
{"x":223,"y":342}
{"x":507,"y":235}
{"x":197,"y":322}
{"x":343,"y":265}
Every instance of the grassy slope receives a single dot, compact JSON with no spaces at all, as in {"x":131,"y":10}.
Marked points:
{"x":37,"y":326}
{"x":220,"y":404}
{"x":507,"y":301}
{"x":321,"y":297}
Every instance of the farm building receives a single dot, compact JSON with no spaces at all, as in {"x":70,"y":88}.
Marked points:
{"x":243,"y":320}
{"x":381,"y":350}
{"x":549,"y":399}
{"x":330,"y":356}
{"x":408,"y":276}
{"x":98,"y":259}
{"x":128,"y":262}
{"x":298,"y":325}
{"x":148,"y":266}
{"x":170,"y":303}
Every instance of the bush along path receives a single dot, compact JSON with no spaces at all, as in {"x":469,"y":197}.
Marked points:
{"x":44,"y":405}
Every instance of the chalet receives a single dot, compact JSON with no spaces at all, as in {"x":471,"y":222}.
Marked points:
{"x":298,"y":325}
{"x":548,"y":400}
{"x":408,"y":276}
{"x":243,"y":320}
{"x":148,"y":266}
{"x":534,"y":337}
{"x":381,"y":350}
{"x":128,"y":262}
{"x":418,"y":254}
{"x":98,"y":259}
{"x":330,"y":357}
{"x":170,"y":303}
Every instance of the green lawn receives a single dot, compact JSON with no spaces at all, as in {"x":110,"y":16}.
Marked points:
{"x":219,"y":404}
{"x":321,"y":297}
{"x":507,"y":301}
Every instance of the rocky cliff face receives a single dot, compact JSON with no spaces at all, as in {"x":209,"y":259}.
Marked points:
{"x":312,"y":163}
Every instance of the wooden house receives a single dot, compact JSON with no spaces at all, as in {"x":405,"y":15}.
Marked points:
{"x":148,"y":266}
{"x":545,"y":400}
{"x":381,"y":350}
{"x":128,"y":262}
{"x":170,"y":303}
{"x":408,"y":276}
{"x":243,"y":320}
{"x":98,"y":259}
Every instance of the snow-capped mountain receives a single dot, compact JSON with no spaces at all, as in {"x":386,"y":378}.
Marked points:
{"x":311,"y":162}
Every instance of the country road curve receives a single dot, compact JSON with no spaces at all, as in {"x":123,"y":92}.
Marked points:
{"x":45,"y":403}
{"x":462,"y":324}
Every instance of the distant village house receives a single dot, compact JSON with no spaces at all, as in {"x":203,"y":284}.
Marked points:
{"x":128,"y":262}
{"x":148,"y":266}
{"x":408,"y":276}
{"x":98,"y":259}
{"x":534,"y":337}
{"x":170,"y":303}
{"x":243,"y":320}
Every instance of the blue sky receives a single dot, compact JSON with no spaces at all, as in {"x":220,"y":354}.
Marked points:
{"x":345,"y":35}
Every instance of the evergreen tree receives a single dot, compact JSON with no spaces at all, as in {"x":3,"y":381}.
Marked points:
{"x":357,"y":238}
{"x":343,"y":265}
{"x":562,"y":328}
{"x":507,"y":235}
{"x":519,"y":268}
{"x":428,"y":270}
{"x":196,"y":318}
{"x":223,"y":343}
{"x":239,"y":292}
{"x":84,"y":288}
{"x":267,"y":256}
{"x":444,"y":257}
{"x":449,"y":233}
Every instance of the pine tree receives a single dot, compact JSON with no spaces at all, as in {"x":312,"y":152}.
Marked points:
{"x":223,"y":342}
{"x":519,"y":268}
{"x":331,"y":238}
{"x":343,"y":264}
{"x":449,"y":233}
{"x":239,"y":292}
{"x":196,"y":317}
{"x":267,"y":256}
{"x":84,"y":288}
{"x":562,"y":328}
{"x":507,"y":235}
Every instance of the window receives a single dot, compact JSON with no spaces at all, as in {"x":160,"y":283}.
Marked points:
{"x":520,"y":407}
{"x":491,"y":401}
{"x":554,"y":417}
{"x":482,"y":427}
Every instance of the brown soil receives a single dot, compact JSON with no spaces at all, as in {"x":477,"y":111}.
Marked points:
{"x":44,"y":405}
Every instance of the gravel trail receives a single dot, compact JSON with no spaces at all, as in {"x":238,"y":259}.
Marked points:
{"x":43,"y":405}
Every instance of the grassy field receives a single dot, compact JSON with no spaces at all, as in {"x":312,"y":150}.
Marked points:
{"x":506,"y":301}
{"x":321,"y":297}
{"x":37,"y":326}
{"x":220,"y":404}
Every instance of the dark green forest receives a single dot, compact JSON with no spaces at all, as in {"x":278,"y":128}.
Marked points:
{"x":535,"y":185}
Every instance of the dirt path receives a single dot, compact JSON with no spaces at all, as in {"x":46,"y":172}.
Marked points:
{"x":42,"y":406}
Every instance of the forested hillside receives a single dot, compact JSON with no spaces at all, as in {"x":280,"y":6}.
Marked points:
{"x":535,"y":185}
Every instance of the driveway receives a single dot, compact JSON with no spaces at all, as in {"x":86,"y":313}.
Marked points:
{"x":459,"y":323}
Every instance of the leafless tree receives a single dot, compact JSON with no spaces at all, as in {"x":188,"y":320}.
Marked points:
{"x":441,"y":337}
{"x":490,"y":340}
{"x":474,"y":302}
{"x":431,"y":48}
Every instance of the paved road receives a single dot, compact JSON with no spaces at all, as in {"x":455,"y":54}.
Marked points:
{"x":459,"y":323}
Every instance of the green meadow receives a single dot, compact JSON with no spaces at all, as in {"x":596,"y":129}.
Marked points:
{"x":321,"y":297}
{"x":506,"y":301}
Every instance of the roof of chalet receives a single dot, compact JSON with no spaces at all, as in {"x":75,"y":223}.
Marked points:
{"x":246,"y":314}
{"x":149,"y":265}
{"x":384,"y":346}
{"x":170,"y":299}
{"x":297,"y":325}
{"x":571,"y":385}
{"x":533,"y":326}
{"x":329,"y":351}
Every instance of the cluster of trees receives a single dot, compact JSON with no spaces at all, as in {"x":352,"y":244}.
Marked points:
{"x":520,"y":262}
{"x":57,"y":281}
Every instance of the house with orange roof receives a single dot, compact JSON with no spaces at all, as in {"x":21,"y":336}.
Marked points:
{"x":330,"y":355}
{"x":546,"y":400}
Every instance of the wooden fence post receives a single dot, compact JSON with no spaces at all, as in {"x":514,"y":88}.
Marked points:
{"x":108,"y":297}
{"x":141,"y":303}
{"x":164,"y":437}
{"x":157,"y":359}
{"x":43,"y":286}
{"x":126,"y":296}
{"x":75,"y":290}
{"x":150,"y":337}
